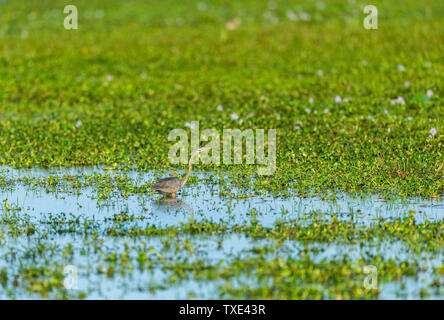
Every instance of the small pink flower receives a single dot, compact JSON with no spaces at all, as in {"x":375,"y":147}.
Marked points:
{"x":338,"y":99}
{"x":433,"y":132}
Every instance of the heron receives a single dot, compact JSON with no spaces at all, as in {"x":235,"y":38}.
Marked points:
{"x":170,"y":185}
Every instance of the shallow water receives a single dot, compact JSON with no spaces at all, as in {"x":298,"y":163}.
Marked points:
{"x":198,"y":201}
{"x":203,"y":201}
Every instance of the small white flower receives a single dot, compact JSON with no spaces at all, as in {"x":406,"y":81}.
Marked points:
{"x":385,"y":111}
{"x":315,"y":112}
{"x":307,"y":110}
{"x":240,"y":121}
{"x":348,"y":99}
{"x":220,"y":108}
{"x":409,"y":118}
{"x":326,"y":111}
{"x":297,"y":128}
{"x":79,"y":124}
{"x":291,"y":15}
{"x":109,"y":77}
{"x":433,"y":132}
{"x":320,"y":73}
{"x":343,"y":117}
{"x":190,"y":125}
{"x":406,"y":84}
{"x":305,"y":16}
{"x":429,"y":93}
{"x":310,"y":100}
{"x":234,"y":116}
{"x":399,"y":100}
{"x":369,"y":117}
{"x":401,"y":68}
{"x":389,"y":129}
{"x":338,"y":99}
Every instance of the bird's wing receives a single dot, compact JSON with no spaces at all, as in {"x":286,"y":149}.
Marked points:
{"x":166,"y":183}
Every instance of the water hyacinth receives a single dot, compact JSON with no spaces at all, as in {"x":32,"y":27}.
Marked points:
{"x":344,"y":193}
{"x":190,"y":125}
{"x":399,"y":100}
{"x":433,"y":132}
{"x":291,"y":15}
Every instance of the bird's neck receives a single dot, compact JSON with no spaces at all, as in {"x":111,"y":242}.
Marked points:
{"x":190,"y":164}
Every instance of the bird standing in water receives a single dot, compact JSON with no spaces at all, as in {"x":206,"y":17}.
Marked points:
{"x":171,"y":185}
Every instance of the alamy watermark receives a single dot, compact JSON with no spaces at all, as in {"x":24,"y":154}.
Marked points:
{"x":371,"y":20}
{"x":71,"y":20}
{"x":70,"y":282}
{"x":232,"y":145}
{"x":371,"y":280}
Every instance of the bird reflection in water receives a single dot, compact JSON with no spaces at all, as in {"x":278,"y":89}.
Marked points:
{"x":168,"y":205}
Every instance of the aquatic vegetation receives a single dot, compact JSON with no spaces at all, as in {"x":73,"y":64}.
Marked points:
{"x":259,"y":252}
{"x":354,"y":209}
{"x":96,"y":109}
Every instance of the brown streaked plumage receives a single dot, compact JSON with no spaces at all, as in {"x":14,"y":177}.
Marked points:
{"x":171,"y":185}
